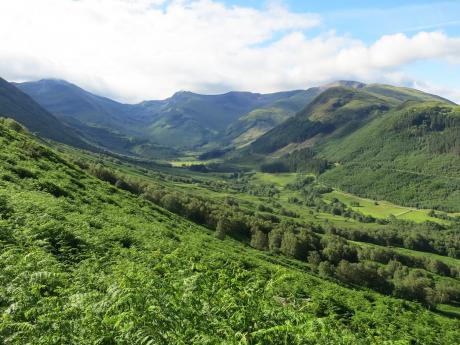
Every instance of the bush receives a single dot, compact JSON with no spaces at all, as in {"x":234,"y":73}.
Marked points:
{"x":51,"y":188}
{"x":23,"y":172}
{"x":13,"y":125}
{"x":5,"y":208}
{"x":259,"y":240}
{"x":103,"y":174}
{"x":326,"y":269}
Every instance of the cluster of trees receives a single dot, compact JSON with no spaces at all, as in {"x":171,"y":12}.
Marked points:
{"x":333,"y":256}
{"x":421,"y":120}
{"x":408,"y":185}
{"x":304,"y":160}
{"x":426,"y":237}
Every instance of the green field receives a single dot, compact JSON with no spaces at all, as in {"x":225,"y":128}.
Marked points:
{"x":377,"y":209}
{"x":383,"y":209}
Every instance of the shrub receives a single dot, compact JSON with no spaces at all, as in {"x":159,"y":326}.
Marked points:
{"x":23,"y":172}
{"x":51,"y":188}
{"x":259,"y":240}
{"x":5,"y":208}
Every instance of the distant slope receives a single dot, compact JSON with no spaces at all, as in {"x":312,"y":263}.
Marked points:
{"x":402,"y":94}
{"x":17,"y":105}
{"x":259,"y":121}
{"x":410,"y":155}
{"x":337,"y":110}
{"x":190,"y":120}
{"x":377,"y":141}
{"x":67,"y":100}
{"x":103,"y":122}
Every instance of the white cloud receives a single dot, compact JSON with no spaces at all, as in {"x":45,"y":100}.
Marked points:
{"x":146,"y":49}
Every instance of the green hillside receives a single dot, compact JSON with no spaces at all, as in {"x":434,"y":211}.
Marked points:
{"x":338,"y":109}
{"x":402,"y":93}
{"x":259,"y":121}
{"x":377,"y":141}
{"x":412,"y":159}
{"x":84,"y":261}
{"x":17,"y":105}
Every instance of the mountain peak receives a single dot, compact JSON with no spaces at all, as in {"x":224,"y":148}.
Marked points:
{"x":346,"y":83}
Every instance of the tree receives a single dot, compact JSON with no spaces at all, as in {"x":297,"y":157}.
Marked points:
{"x":274,"y":240}
{"x":294,"y":246}
{"x":326,"y":269}
{"x":172,"y":203}
{"x":221,"y":229}
{"x":314,"y":259}
{"x":414,"y":286}
{"x":259,"y":240}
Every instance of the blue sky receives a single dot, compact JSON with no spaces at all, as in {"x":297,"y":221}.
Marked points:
{"x":133,"y":50}
{"x":368,"y":20}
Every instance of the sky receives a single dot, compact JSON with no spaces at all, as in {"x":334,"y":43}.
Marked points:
{"x":134,"y":50}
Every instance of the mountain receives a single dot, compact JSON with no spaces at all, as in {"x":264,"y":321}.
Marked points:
{"x":185,"y":120}
{"x":101,"y":121}
{"x":70,"y":102}
{"x":409,"y":155}
{"x":376,"y":141}
{"x":191,"y":120}
{"x":19,"y":106}
{"x":259,"y":121}
{"x":337,"y":111}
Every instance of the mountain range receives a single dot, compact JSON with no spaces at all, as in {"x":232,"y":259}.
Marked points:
{"x":375,"y":140}
{"x":186,"y":120}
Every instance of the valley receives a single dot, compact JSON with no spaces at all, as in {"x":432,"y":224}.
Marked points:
{"x":228,"y":172}
{"x":132,"y":240}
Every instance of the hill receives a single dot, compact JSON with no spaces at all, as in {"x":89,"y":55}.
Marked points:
{"x":68,"y":101}
{"x":84,"y":261}
{"x":338,"y":109}
{"x":19,"y":106}
{"x":259,"y":121}
{"x":103,"y":122}
{"x":413,"y":157}
{"x":377,"y":141}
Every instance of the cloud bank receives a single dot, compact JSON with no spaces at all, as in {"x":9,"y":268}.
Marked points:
{"x":133,"y":50}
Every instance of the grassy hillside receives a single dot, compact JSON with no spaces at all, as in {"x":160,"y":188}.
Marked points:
{"x":402,"y":94}
{"x":413,"y":157}
{"x":17,"y":105}
{"x":338,"y":109}
{"x":259,"y":121}
{"x":376,"y":141}
{"x":84,"y":261}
